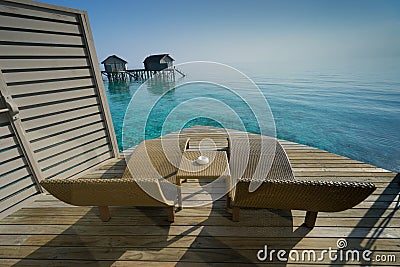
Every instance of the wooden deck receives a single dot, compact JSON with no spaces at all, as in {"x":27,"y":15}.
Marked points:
{"x":51,"y":233}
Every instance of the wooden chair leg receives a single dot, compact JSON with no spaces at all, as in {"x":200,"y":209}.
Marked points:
{"x":235,"y":214}
{"x":171,"y":214}
{"x":228,"y":202}
{"x":180,"y":204}
{"x":311,"y":217}
{"x":104,"y":213}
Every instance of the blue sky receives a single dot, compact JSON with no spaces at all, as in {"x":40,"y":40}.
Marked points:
{"x":277,"y":32}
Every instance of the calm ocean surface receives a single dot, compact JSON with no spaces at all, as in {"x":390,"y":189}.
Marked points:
{"x":354,"y":114}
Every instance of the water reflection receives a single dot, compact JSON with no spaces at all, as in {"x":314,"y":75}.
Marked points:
{"x":119,"y":86}
{"x":160,"y":85}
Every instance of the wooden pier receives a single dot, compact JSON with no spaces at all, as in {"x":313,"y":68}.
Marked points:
{"x":142,"y":75}
{"x":49,"y":232}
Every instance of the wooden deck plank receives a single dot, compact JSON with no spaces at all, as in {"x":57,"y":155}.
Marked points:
{"x":181,"y":241}
{"x":49,"y":232}
{"x":194,"y":255}
{"x":224,"y":219}
{"x":138,"y":212}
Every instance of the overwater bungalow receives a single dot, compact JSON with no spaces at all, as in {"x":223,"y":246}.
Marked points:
{"x":58,"y":144}
{"x":114,"y":63}
{"x":115,"y":68}
{"x":158,"y":62}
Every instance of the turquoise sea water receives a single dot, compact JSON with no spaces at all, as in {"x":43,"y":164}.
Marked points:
{"x":354,"y":114}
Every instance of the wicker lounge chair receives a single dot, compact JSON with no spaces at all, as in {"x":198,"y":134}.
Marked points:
{"x":278,"y":187}
{"x":149,"y":169}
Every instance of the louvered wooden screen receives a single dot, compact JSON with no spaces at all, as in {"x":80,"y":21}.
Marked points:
{"x":51,"y":85}
{"x":17,"y":182}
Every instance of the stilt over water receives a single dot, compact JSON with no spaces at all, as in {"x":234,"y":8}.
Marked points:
{"x":141,"y":75}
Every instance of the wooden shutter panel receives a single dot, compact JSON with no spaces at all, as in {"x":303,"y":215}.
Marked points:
{"x":18,"y":180}
{"x":50,"y":71}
